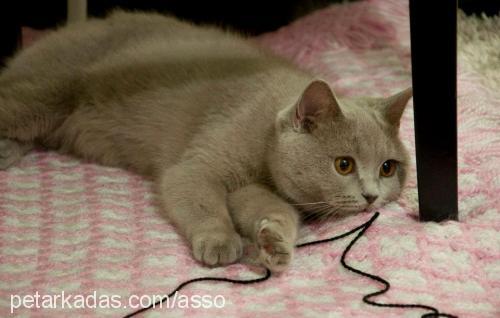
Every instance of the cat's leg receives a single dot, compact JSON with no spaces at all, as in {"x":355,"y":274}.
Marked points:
{"x":195,"y":201}
{"x":269,"y":221}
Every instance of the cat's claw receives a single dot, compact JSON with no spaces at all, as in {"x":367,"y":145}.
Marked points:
{"x":275,"y":252}
{"x":11,"y":152}
{"x":215,"y":249}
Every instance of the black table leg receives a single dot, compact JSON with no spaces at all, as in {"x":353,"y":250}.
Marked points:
{"x":433,"y":53}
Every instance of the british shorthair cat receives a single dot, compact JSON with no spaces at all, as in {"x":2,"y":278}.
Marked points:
{"x":238,"y":141}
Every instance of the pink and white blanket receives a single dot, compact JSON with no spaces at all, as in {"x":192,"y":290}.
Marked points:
{"x":72,"y":226}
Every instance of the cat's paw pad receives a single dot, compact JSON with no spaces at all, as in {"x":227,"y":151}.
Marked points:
{"x":275,"y":251}
{"x":11,"y":152}
{"x":217,"y":248}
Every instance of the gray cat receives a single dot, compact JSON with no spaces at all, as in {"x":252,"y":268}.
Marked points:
{"x":238,"y":141}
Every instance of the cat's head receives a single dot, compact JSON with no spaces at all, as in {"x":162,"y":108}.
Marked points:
{"x":345,"y":153}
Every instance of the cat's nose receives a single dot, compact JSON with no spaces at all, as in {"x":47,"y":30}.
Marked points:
{"x":370,"y":198}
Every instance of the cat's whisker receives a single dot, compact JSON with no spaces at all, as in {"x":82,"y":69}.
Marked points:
{"x":334,"y":211}
{"x":314,"y":213}
{"x":326,"y":216}
{"x":321,"y":208}
{"x":345,"y":202}
{"x":323,"y":213}
{"x":318,"y":215}
{"x":311,"y":217}
{"x":309,"y":203}
{"x":314,"y":208}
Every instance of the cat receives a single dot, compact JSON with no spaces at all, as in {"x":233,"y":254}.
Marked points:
{"x":239,"y":142}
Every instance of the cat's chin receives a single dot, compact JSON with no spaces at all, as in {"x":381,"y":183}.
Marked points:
{"x":368,"y":210}
{"x":371,"y":208}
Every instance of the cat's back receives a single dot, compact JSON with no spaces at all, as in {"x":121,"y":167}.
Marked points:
{"x":161,"y":50}
{"x":209,"y":69}
{"x":128,"y":52}
{"x":79,"y":46}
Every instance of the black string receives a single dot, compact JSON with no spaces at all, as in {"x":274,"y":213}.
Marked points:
{"x":433,"y":312}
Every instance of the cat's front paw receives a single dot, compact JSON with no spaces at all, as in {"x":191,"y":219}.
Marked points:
{"x":275,"y":249}
{"x":214,"y":248}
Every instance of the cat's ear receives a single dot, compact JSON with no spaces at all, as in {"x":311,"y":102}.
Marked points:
{"x":394,"y":106}
{"x":317,"y":103}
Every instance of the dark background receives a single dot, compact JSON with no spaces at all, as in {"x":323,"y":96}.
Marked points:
{"x":249,"y":17}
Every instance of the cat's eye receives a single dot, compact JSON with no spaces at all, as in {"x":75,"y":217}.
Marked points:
{"x":344,"y":165}
{"x":388,"y":168}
